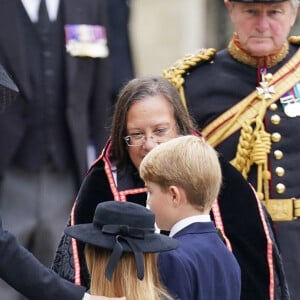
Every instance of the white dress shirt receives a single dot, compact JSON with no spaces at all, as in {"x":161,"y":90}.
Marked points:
{"x":32,"y":8}
{"x":187,"y":221}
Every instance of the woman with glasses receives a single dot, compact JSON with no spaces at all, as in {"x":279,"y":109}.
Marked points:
{"x":149,"y":112}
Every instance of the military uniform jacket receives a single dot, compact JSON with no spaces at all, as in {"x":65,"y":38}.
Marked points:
{"x":227,"y":81}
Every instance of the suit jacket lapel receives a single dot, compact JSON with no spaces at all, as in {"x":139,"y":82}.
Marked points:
{"x":198,"y":227}
{"x":13,"y":43}
{"x":78,"y":73}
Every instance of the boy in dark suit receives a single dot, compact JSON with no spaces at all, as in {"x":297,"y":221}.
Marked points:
{"x":183,"y":178}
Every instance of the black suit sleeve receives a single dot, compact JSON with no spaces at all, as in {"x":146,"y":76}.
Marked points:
{"x":20,"y":269}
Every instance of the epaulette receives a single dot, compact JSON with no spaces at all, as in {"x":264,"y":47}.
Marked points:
{"x":181,"y":66}
{"x":294,"y":39}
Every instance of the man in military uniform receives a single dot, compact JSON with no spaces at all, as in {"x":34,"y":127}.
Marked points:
{"x":246,"y":100}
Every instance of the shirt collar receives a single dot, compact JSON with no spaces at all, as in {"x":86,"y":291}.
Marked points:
{"x":32,"y":7}
{"x":187,"y":221}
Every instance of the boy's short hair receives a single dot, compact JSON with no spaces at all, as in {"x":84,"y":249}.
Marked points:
{"x":188,"y":162}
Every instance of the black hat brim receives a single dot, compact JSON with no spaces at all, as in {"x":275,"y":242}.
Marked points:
{"x":89,"y":234}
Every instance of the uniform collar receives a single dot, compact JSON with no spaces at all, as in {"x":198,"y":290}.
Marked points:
{"x":235,"y":50}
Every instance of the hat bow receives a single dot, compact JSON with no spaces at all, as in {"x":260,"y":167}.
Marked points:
{"x":127,"y":234}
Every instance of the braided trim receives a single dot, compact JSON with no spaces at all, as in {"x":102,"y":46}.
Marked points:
{"x":219,"y":222}
{"x":245,"y":145}
{"x":253,"y":148}
{"x":77,"y":268}
{"x":175,"y":73}
{"x":294,"y":39}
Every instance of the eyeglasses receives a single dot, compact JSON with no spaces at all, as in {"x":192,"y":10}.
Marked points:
{"x":158,"y":136}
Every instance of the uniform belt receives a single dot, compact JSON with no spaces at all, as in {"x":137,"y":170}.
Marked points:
{"x":283,"y":209}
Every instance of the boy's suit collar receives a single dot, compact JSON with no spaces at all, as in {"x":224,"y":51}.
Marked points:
{"x":186,"y":223}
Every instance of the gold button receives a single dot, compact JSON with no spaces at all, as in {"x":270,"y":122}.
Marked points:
{"x":276,"y":137}
{"x":273,"y":106}
{"x":280,"y":171}
{"x":278,"y":154}
{"x":275,"y":119}
{"x":280,"y":188}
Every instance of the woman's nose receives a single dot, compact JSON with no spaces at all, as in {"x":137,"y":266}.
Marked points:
{"x":149,"y":143}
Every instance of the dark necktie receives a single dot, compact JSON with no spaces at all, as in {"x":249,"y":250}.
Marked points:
{"x":43,"y":22}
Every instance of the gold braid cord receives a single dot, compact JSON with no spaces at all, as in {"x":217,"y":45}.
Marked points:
{"x":294,"y":39}
{"x":254,"y":146}
{"x":175,"y":73}
{"x":254,"y":143}
{"x":247,"y":116}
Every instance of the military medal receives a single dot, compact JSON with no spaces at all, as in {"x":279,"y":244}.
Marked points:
{"x":265,"y":90}
{"x":291,"y":102}
{"x":86,"y":40}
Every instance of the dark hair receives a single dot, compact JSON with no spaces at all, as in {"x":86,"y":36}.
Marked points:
{"x":136,"y":90}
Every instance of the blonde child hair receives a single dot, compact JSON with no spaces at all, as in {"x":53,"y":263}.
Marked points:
{"x":188,"y":162}
{"x":150,"y":288}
